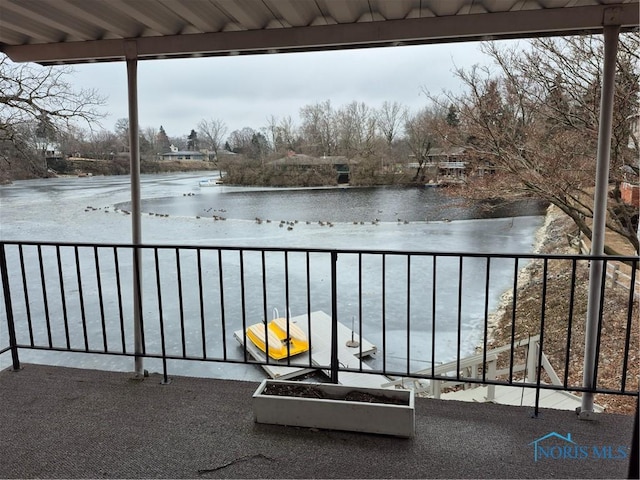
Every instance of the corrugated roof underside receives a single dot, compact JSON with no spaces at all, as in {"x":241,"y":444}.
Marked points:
{"x":94,"y":29}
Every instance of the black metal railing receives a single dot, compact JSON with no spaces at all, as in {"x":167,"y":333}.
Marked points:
{"x":429,"y":314}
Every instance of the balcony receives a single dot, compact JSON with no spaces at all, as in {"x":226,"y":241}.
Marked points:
{"x":71,"y":423}
{"x":97,"y":307}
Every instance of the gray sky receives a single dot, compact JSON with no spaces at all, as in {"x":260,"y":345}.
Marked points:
{"x":244,"y":91}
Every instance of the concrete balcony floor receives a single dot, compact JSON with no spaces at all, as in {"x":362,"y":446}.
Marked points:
{"x":60,"y":422}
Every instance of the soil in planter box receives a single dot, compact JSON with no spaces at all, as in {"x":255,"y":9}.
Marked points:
{"x":310,"y":391}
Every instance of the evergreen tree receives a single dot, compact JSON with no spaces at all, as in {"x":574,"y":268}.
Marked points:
{"x":192,"y":141}
{"x":452,"y":116}
{"x":163,"y":141}
{"x":259,"y":146}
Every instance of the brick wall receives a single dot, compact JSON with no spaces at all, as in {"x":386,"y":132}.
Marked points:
{"x":630,"y":193}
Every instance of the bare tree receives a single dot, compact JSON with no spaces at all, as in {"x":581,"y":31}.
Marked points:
{"x":356,"y":130}
{"x":288,"y":133}
{"x":280,"y":134}
{"x":391,"y":117}
{"x":534,"y":121}
{"x":101,"y":145}
{"x":319,"y":128}
{"x":272,"y":134}
{"x":212,"y":133}
{"x":150,"y":137}
{"x":122,"y":131}
{"x":240,"y":140}
{"x":71,"y":140}
{"x":29,"y":93}
{"x":421,"y":135}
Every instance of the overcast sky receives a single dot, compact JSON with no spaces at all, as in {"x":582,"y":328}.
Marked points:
{"x":244,"y":91}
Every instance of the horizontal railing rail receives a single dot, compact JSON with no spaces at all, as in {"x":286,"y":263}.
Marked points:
{"x":421,"y":310}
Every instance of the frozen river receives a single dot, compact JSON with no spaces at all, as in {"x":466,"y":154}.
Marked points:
{"x":177,"y":211}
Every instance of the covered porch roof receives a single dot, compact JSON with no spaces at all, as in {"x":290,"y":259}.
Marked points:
{"x":75,"y":31}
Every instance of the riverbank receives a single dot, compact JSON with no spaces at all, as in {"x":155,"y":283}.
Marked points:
{"x":84,"y":167}
{"x":555,"y":237}
{"x":121,"y":166}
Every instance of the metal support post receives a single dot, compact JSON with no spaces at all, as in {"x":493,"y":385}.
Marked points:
{"x":136,"y":230}
{"x":599,"y":217}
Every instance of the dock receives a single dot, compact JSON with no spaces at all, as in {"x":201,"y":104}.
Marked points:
{"x":320,"y":353}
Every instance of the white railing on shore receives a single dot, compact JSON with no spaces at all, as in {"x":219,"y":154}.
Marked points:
{"x":614,"y":273}
{"x":473,"y":366}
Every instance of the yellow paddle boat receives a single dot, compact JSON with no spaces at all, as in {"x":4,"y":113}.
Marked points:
{"x":283,"y":338}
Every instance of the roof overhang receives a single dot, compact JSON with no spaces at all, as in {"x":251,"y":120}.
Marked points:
{"x":65,"y":31}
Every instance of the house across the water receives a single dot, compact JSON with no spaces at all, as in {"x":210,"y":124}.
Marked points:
{"x":339,"y":164}
{"x":445,"y":164}
{"x":176,"y":154}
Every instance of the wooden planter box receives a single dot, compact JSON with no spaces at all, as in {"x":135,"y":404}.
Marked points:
{"x":335,"y":407}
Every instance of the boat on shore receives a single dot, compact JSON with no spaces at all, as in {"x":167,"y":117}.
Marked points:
{"x":207,"y":182}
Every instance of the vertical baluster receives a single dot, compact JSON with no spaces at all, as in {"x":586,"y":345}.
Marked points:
{"x":201,"y":300}
{"x":459,"y":341}
{"x":116,"y":261}
{"x":264,"y":306}
{"x":222,"y":311}
{"x":384,"y":309}
{"x":487,"y":280}
{"x":8,"y":306}
{"x":603,"y":280}
{"x":243,"y":306}
{"x":433,"y":314}
{"x":572,"y":295}
{"x":516,"y":270}
{"x":25,"y":289}
{"x":63,"y":299}
{"x":165,"y":378}
{"x":334,"y":318}
{"x":183,"y":340}
{"x":627,"y":340}
{"x":100,"y":299}
{"x":408,"y":372}
{"x":45,"y":299}
{"x":359,"y":310}
{"x":308,"y":276}
{"x":83,"y":314}
{"x":543,"y":311}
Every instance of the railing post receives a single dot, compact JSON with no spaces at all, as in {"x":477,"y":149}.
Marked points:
{"x":532,"y":354}
{"x":9,"y":309}
{"x":615,"y":275}
{"x":491,"y":389}
{"x":436,"y":389}
{"x":334,"y":317}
